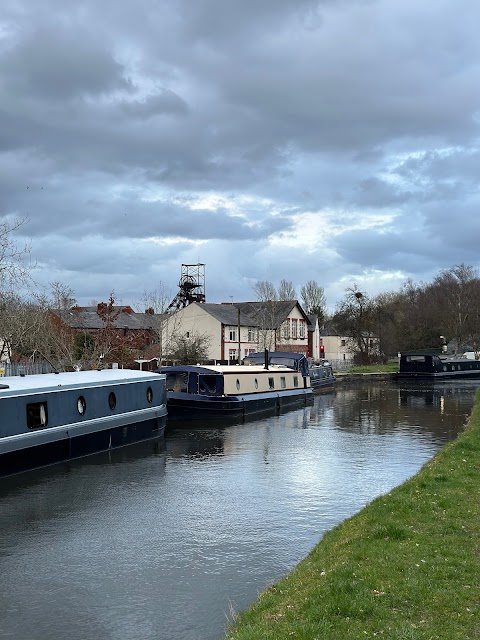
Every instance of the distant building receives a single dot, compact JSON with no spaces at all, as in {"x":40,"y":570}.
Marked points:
{"x":239,"y":328}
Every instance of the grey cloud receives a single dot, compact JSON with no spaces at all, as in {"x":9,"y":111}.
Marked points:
{"x":340,"y":106}
{"x":166,"y":102}
{"x":57,"y":64}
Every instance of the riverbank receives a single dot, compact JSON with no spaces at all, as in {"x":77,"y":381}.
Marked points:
{"x":406,"y":567}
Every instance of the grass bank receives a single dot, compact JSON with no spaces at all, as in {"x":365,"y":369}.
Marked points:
{"x":388,"y":367}
{"x":407,"y":567}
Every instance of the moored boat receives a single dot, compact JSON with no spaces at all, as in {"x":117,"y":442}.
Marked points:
{"x":321,"y":374}
{"x":195,"y":392}
{"x":430,"y":366}
{"x":54,"y":417}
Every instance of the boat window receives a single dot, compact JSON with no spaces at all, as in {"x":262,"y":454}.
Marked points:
{"x":112,"y":400}
{"x":237,"y":384}
{"x":81,"y":405}
{"x":207,"y":385}
{"x":37,"y":415}
{"x":271,"y":383}
{"x":283,"y":382}
{"x":415,"y":358}
{"x":256,"y":383}
{"x":295,"y":381}
{"x":149,"y":395}
{"x":177,"y":382}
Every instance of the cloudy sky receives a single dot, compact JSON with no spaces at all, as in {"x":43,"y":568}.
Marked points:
{"x":334,"y":140}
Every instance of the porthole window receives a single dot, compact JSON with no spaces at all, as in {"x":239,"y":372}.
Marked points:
{"x":81,"y":405}
{"x":256,"y":383}
{"x":238,"y":384}
{"x":112,"y":400}
{"x":149,"y":395}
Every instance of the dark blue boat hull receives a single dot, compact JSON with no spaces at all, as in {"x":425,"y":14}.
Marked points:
{"x":81,"y":445}
{"x":186,"y":407}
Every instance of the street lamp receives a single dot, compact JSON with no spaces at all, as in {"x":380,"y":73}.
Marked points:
{"x":444,"y":344}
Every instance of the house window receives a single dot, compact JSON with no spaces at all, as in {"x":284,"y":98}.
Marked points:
{"x":232,"y":334}
{"x":286,"y":329}
{"x":294,"y":329}
{"x":232,"y":355}
{"x":37,"y":415}
{"x":252,"y":334}
{"x":302,"y":328}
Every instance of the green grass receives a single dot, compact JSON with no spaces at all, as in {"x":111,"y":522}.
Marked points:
{"x":407,"y":567}
{"x":389,"y":367}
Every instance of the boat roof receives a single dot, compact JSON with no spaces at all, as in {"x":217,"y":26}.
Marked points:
{"x":15,"y":385}
{"x":293,"y":355}
{"x":223,"y":369}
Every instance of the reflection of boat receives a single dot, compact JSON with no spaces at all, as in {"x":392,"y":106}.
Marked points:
{"x":55,"y":417}
{"x":431,"y":366}
{"x":194,"y":392}
{"x":321,"y":374}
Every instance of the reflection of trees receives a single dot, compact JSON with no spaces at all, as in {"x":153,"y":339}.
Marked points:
{"x":195,"y":443}
{"x":382,"y":409}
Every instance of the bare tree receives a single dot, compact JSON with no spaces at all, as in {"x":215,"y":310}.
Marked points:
{"x":157,"y":300}
{"x":13,"y":266}
{"x":286,"y":290}
{"x":355,"y":317}
{"x":62,"y":296}
{"x":265,"y":290}
{"x":313,"y":299}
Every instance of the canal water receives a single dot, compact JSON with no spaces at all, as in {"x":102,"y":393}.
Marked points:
{"x":167,"y":542}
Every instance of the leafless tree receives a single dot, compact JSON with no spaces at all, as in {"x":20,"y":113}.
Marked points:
{"x":355,"y":317}
{"x":286,"y":290}
{"x":156,"y":300}
{"x":14,"y":264}
{"x":265,"y":290}
{"x":313,"y":300}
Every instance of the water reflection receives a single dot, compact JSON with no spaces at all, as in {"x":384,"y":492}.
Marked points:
{"x":161,"y":541}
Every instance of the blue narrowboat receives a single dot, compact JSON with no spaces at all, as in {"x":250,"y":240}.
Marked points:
{"x":195,"y":392}
{"x":51,"y":418}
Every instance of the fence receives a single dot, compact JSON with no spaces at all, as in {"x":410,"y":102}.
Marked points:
{"x":24,"y":368}
{"x":340,"y":365}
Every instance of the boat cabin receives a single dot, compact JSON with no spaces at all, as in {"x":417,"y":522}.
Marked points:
{"x":224,"y":380}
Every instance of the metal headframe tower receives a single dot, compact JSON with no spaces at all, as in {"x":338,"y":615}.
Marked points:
{"x":191,"y":287}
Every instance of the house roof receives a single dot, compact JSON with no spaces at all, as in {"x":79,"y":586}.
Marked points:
{"x":328,"y":330}
{"x":227,"y":313}
{"x":88,"y":318}
{"x":270,"y":314}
